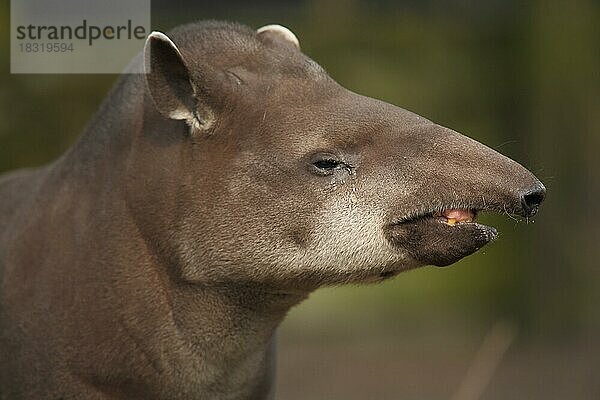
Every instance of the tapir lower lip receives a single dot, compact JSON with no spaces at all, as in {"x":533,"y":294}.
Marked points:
{"x":431,"y":241}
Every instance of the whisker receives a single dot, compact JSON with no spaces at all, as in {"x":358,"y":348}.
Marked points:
{"x":507,"y":142}
{"x":509,"y":214}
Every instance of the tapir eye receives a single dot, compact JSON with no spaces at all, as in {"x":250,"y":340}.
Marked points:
{"x":326,"y":164}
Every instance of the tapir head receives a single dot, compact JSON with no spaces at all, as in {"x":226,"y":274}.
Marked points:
{"x":259,"y":168}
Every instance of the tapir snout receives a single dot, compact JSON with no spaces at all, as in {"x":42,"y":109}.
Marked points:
{"x":458,"y":171}
{"x":430,"y":182}
{"x":450,"y":179}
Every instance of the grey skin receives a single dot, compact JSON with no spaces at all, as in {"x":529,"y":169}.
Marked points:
{"x":155,"y":259}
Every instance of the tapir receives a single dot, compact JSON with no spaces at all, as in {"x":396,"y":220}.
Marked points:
{"x":209,"y":195}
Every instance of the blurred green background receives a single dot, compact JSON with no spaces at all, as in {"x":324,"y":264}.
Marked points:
{"x":522,"y":77}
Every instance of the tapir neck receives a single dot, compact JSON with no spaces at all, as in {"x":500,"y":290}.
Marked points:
{"x":231,"y":328}
{"x":230,"y":334}
{"x":205,"y":338}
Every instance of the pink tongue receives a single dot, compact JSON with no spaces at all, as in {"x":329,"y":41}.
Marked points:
{"x":458,"y":214}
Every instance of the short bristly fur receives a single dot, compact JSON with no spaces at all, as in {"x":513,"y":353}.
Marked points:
{"x":155,"y":259}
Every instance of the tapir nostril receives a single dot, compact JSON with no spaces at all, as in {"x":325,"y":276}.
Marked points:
{"x":531,"y":200}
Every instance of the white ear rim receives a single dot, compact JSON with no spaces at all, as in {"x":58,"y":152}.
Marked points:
{"x":285,"y":32}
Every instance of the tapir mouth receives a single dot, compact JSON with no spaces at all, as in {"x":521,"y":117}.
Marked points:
{"x":453,"y":216}
{"x":441,"y":237}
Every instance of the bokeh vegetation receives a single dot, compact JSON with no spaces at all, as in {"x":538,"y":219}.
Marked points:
{"x":522,"y":77}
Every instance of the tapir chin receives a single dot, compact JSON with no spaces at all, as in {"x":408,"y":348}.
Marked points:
{"x":157,"y":256}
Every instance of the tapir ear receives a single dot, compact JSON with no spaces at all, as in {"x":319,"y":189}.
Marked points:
{"x":278,"y":33}
{"x":168,"y":78}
